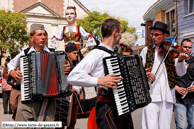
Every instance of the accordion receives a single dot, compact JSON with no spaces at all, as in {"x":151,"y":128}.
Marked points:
{"x":43,"y":75}
{"x":133,"y":91}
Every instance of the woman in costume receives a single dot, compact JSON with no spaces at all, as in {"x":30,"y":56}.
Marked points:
{"x":72,"y":32}
{"x":126,"y":42}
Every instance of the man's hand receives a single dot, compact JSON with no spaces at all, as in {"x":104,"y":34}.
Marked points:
{"x":67,"y":67}
{"x":183,"y":56}
{"x":151,"y":77}
{"x":190,"y":89}
{"x":74,"y":90}
{"x":17,"y":75}
{"x":109,"y":81}
{"x":181,"y":90}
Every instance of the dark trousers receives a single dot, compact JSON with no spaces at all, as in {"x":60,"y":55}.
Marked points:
{"x":6,"y":96}
{"x":106,"y":118}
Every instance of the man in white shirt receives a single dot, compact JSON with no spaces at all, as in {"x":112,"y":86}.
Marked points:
{"x":158,"y":114}
{"x":93,"y":64}
{"x":28,"y":111}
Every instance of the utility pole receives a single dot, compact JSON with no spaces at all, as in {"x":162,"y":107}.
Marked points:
{"x":176,"y":20}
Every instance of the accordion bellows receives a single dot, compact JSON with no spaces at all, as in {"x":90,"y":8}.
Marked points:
{"x":43,"y":75}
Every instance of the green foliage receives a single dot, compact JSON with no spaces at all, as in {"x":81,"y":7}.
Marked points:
{"x":92,"y":23}
{"x":13,"y":34}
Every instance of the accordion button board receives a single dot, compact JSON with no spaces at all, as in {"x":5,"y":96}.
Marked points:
{"x":133,"y":90}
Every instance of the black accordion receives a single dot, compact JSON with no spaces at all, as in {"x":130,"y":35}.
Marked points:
{"x":133,"y":91}
{"x":43,"y":75}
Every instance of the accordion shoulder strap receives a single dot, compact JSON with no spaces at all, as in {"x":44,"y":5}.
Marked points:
{"x":26,"y":51}
{"x":106,"y":50}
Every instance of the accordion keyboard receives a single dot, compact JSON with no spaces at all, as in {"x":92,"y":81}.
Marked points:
{"x":25,"y":83}
{"x":119,"y":93}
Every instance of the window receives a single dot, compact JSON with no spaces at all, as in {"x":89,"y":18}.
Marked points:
{"x":191,"y":6}
{"x":170,"y":21}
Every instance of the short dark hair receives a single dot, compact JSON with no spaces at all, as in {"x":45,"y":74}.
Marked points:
{"x":188,"y":40}
{"x":128,"y":49}
{"x":71,"y":47}
{"x":108,"y":26}
{"x":32,"y":33}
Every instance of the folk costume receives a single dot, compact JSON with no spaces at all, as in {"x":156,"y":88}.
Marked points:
{"x":158,"y":114}
{"x":162,"y":91}
{"x":93,"y":64}
{"x":72,"y":34}
{"x":27,"y":110}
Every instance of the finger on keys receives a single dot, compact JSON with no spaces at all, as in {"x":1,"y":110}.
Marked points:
{"x":19,"y":73}
{"x":115,"y":77}
{"x":113,"y":87}
{"x":117,"y":80}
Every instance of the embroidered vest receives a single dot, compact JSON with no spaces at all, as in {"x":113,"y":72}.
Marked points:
{"x":169,"y":63}
{"x":71,"y":36}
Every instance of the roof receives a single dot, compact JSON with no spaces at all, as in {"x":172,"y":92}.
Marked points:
{"x":157,"y":6}
{"x":81,"y":5}
{"x":32,"y":10}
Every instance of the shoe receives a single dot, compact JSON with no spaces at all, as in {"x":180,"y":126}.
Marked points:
{"x":10,"y":113}
{"x":5,"y":112}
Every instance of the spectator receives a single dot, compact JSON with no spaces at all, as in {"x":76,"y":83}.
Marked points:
{"x":6,"y":88}
{"x":184,"y":106}
{"x":15,"y":94}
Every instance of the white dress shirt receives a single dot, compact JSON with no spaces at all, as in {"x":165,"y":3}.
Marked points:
{"x":15,"y":62}
{"x":92,"y":64}
{"x":159,"y":90}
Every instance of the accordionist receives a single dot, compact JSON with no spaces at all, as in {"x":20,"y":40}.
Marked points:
{"x":29,"y":110}
{"x":93,"y":64}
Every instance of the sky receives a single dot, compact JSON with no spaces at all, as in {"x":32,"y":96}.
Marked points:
{"x":131,"y":10}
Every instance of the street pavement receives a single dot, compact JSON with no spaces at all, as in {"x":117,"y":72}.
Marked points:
{"x":82,"y":123}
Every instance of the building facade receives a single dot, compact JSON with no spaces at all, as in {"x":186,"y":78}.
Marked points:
{"x":186,"y":20}
{"x":164,"y":11}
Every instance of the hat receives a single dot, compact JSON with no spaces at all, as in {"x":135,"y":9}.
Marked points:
{"x":160,"y":26}
{"x":71,"y":47}
{"x":34,"y":27}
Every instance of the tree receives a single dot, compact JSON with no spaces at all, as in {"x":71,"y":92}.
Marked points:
{"x":13,"y":34}
{"x":92,"y":23}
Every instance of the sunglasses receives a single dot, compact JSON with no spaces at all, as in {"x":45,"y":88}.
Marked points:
{"x":156,"y":35}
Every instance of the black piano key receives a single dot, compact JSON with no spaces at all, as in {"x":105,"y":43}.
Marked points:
{"x":116,"y":69}
{"x":123,"y":103}
{"x":122,"y":97}
{"x":120,"y":92}
{"x":125,"y":108}
{"x":114,"y":65}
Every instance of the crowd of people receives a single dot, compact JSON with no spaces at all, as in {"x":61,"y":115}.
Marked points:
{"x":171,"y":84}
